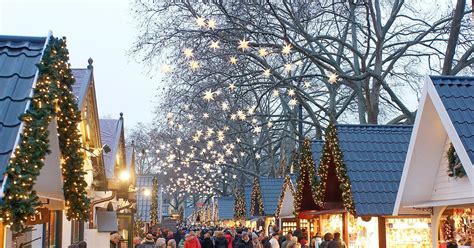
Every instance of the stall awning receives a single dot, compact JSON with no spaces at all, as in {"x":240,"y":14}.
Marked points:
{"x":462,"y":201}
{"x":107,"y":221}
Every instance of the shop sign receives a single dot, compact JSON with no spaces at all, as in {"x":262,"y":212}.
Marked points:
{"x":41,"y":217}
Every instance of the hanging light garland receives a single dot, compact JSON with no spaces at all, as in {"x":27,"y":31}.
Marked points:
{"x":307,"y":174}
{"x":239,"y":205}
{"x":52,"y":98}
{"x":332,"y":155}
{"x":256,"y":200}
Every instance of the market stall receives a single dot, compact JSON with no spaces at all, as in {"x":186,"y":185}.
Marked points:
{"x":442,"y":149}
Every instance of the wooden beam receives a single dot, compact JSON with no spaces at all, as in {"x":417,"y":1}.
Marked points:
{"x":345,"y":227}
{"x":382,"y":232}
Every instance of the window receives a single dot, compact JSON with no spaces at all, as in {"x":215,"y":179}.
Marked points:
{"x":52,"y":230}
{"x":77,"y":231}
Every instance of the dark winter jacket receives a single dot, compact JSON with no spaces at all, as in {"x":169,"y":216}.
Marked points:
{"x":337,"y":243}
{"x":243,"y":244}
{"x":207,"y":243}
{"x":220,"y":242}
{"x":147,"y":245}
{"x":324,"y":244}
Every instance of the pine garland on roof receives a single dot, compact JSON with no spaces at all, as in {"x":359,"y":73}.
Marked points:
{"x":154,"y":202}
{"x":239,"y":204}
{"x":286,"y":184}
{"x":332,"y":153}
{"x":256,"y":200}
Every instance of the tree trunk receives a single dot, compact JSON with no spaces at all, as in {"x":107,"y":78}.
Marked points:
{"x":453,"y":37}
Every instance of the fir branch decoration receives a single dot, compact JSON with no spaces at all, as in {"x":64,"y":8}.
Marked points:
{"x":306,"y":166}
{"x":52,"y":98}
{"x":154,"y":202}
{"x":332,"y":153}
{"x":455,"y":167}
{"x":239,"y":204}
{"x":256,"y":200}
{"x":286,"y":184}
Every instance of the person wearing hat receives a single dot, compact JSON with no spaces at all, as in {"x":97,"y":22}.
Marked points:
{"x":149,"y":242}
{"x":244,"y":242}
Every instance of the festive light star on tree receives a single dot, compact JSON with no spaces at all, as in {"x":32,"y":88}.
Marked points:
{"x":286,"y":49}
{"x":232,"y":86}
{"x":166,"y":68}
{"x":233,"y":117}
{"x":233,"y":60}
{"x":307,"y":84}
{"x":208,"y":95}
{"x":276,"y":92}
{"x":205,"y":115}
{"x":291,"y":92}
{"x":270,"y":124}
{"x":257,"y":129}
{"x":194,"y":64}
{"x":225,"y":106}
{"x":262,"y":52}
{"x":211,"y":24}
{"x":243,"y":44}
{"x":267,"y":73}
{"x":188,"y":52}
{"x":288,"y":67}
{"x":251,"y":110}
{"x":333,"y":78}
{"x":214,"y":45}
{"x":201,"y":22}
{"x":293,"y":102}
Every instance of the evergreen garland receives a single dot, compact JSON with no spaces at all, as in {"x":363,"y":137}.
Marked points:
{"x":52,"y":97}
{"x":286,"y":184}
{"x":154,"y":202}
{"x":306,"y":169}
{"x":455,"y":168}
{"x":332,"y":153}
{"x":239,"y":204}
{"x":256,"y":200}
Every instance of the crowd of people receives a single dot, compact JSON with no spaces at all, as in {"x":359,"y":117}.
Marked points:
{"x":233,"y":238}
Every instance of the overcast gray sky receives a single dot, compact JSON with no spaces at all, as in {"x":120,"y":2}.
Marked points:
{"x":101,"y":29}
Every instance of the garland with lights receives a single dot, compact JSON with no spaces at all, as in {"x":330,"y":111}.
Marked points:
{"x":306,"y":168}
{"x":52,"y":97}
{"x":154,"y":202}
{"x":455,"y":168}
{"x":332,"y":154}
{"x":256,"y":200}
{"x":239,"y":204}
{"x":286,"y":184}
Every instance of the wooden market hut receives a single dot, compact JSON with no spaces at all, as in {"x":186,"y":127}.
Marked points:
{"x":358,"y":174}
{"x":438,"y":173}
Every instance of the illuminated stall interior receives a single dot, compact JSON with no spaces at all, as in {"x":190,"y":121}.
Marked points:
{"x":361,"y":210}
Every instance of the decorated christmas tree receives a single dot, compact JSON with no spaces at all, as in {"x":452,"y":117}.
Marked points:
{"x":154,"y":202}
{"x":239,"y":204}
{"x":306,"y":182}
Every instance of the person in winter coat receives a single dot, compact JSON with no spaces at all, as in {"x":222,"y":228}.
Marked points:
{"x":192,"y":241}
{"x":220,"y":240}
{"x":328,"y":237}
{"x":244,"y":241}
{"x":256,"y":243}
{"x":337,"y":242}
{"x":229,"y":239}
{"x":316,"y":241}
{"x":207,"y":241}
{"x":171,"y":243}
{"x":149,"y":242}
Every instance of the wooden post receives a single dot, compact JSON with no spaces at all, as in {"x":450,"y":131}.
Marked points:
{"x":382,"y":232}
{"x":345,"y":227}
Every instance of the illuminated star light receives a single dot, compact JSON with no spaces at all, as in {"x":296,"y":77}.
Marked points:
{"x":288,"y":67}
{"x":307,"y":84}
{"x":205,"y":115}
{"x":215,"y":45}
{"x":166,"y":68}
{"x":257,"y":129}
{"x":194,"y":64}
{"x":269,"y":124}
{"x":200,"y":21}
{"x":267,"y":73}
{"x":233,"y":60}
{"x":225,"y":106}
{"x":233,"y":117}
{"x":276,"y":92}
{"x":286,"y":49}
{"x":188,"y":52}
{"x":262,"y":52}
{"x":293,"y":102}
{"x":208,"y":96}
{"x":232,"y":86}
{"x":243,"y":44}
{"x":333,"y":78}
{"x":291,"y":92}
{"x":211,"y":24}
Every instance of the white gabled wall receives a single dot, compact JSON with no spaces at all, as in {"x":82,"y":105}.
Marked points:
{"x":446,"y":187}
{"x":287,"y":207}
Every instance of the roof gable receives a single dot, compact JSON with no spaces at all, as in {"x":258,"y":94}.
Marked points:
{"x":144,"y":202}
{"x":79,"y":89}
{"x":111,"y":131}
{"x":18,"y":58}
{"x":270,"y":189}
{"x":457,"y":96}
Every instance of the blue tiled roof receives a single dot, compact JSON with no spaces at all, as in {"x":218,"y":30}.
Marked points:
{"x":225,"y":207}
{"x":317,"y":148}
{"x":18,"y":58}
{"x":374,"y":156}
{"x":143,"y":202}
{"x":270,"y":189}
{"x":457,"y":95}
